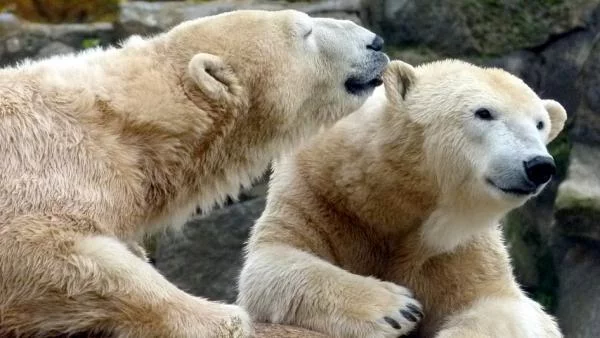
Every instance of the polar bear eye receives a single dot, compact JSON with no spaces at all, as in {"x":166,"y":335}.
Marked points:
{"x":484,"y":114}
{"x":540,"y":125}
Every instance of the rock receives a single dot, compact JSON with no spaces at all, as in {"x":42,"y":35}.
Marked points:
{"x":205,"y":259}
{"x":578,"y":200}
{"x":435,"y":24}
{"x":579,"y":296}
{"x":283,"y":331}
{"x":54,"y":48}
{"x":522,"y":63}
{"x":29,"y":40}
{"x":586,"y":128}
{"x":261,"y":330}
{"x":145,"y":18}
{"x":466,"y":27}
{"x":560,"y":67}
{"x":8,"y":24}
{"x":76,"y":35}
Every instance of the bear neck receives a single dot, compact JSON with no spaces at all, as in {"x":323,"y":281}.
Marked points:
{"x":378,"y":178}
{"x":447,"y":219}
{"x":451,"y":226}
{"x":399,"y":198}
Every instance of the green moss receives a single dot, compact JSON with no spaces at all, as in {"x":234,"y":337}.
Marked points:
{"x":500,"y":26}
{"x":569,"y":200}
{"x":521,"y":250}
{"x":532,"y":259}
{"x":90,"y":43}
{"x":546,"y":291}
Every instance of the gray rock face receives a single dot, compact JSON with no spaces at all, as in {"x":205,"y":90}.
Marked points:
{"x":54,"y":48}
{"x":561,"y":65}
{"x":586,"y":128}
{"x":205,"y":259}
{"x":438,"y":24}
{"x":144,"y":18}
{"x":579,"y":293}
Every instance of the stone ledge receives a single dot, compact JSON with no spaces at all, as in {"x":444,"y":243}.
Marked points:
{"x":264,"y":330}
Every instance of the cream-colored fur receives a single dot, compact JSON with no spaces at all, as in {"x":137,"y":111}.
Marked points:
{"x":398,"y":195}
{"x":101,"y":148}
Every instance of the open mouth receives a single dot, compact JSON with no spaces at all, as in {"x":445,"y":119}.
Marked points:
{"x":512,"y":191}
{"x":357,"y":86}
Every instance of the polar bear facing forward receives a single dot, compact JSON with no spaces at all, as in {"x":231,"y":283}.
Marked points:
{"x":407,"y":194}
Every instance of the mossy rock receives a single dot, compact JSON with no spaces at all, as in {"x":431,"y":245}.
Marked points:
{"x":504,"y":25}
{"x":581,"y":189}
{"x":577,"y":206}
{"x":63,"y":11}
{"x":531,"y":256}
{"x":476,"y":27}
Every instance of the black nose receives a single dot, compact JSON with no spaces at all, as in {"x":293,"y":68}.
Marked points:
{"x":376,"y":44}
{"x":540,"y":169}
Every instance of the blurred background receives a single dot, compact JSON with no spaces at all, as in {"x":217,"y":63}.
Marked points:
{"x":551,"y":44}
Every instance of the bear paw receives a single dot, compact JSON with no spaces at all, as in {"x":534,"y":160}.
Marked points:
{"x":210,"y":320}
{"x":391,"y":311}
{"x":402,"y":316}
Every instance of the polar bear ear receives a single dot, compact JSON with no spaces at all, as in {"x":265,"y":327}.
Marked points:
{"x":558,"y":117}
{"x":398,"y":80}
{"x":213,"y":77}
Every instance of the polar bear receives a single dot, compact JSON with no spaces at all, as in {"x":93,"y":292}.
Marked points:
{"x":103,"y":147}
{"x":407,"y":194}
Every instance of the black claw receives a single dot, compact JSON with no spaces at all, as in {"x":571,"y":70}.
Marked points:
{"x":408,"y":315}
{"x":415,"y":309}
{"x":392,"y":322}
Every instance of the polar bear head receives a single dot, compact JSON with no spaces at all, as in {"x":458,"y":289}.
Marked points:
{"x":284,"y":70}
{"x":483,"y":134}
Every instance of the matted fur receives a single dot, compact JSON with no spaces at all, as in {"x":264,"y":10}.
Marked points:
{"x":391,"y":197}
{"x":100,"y":148}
